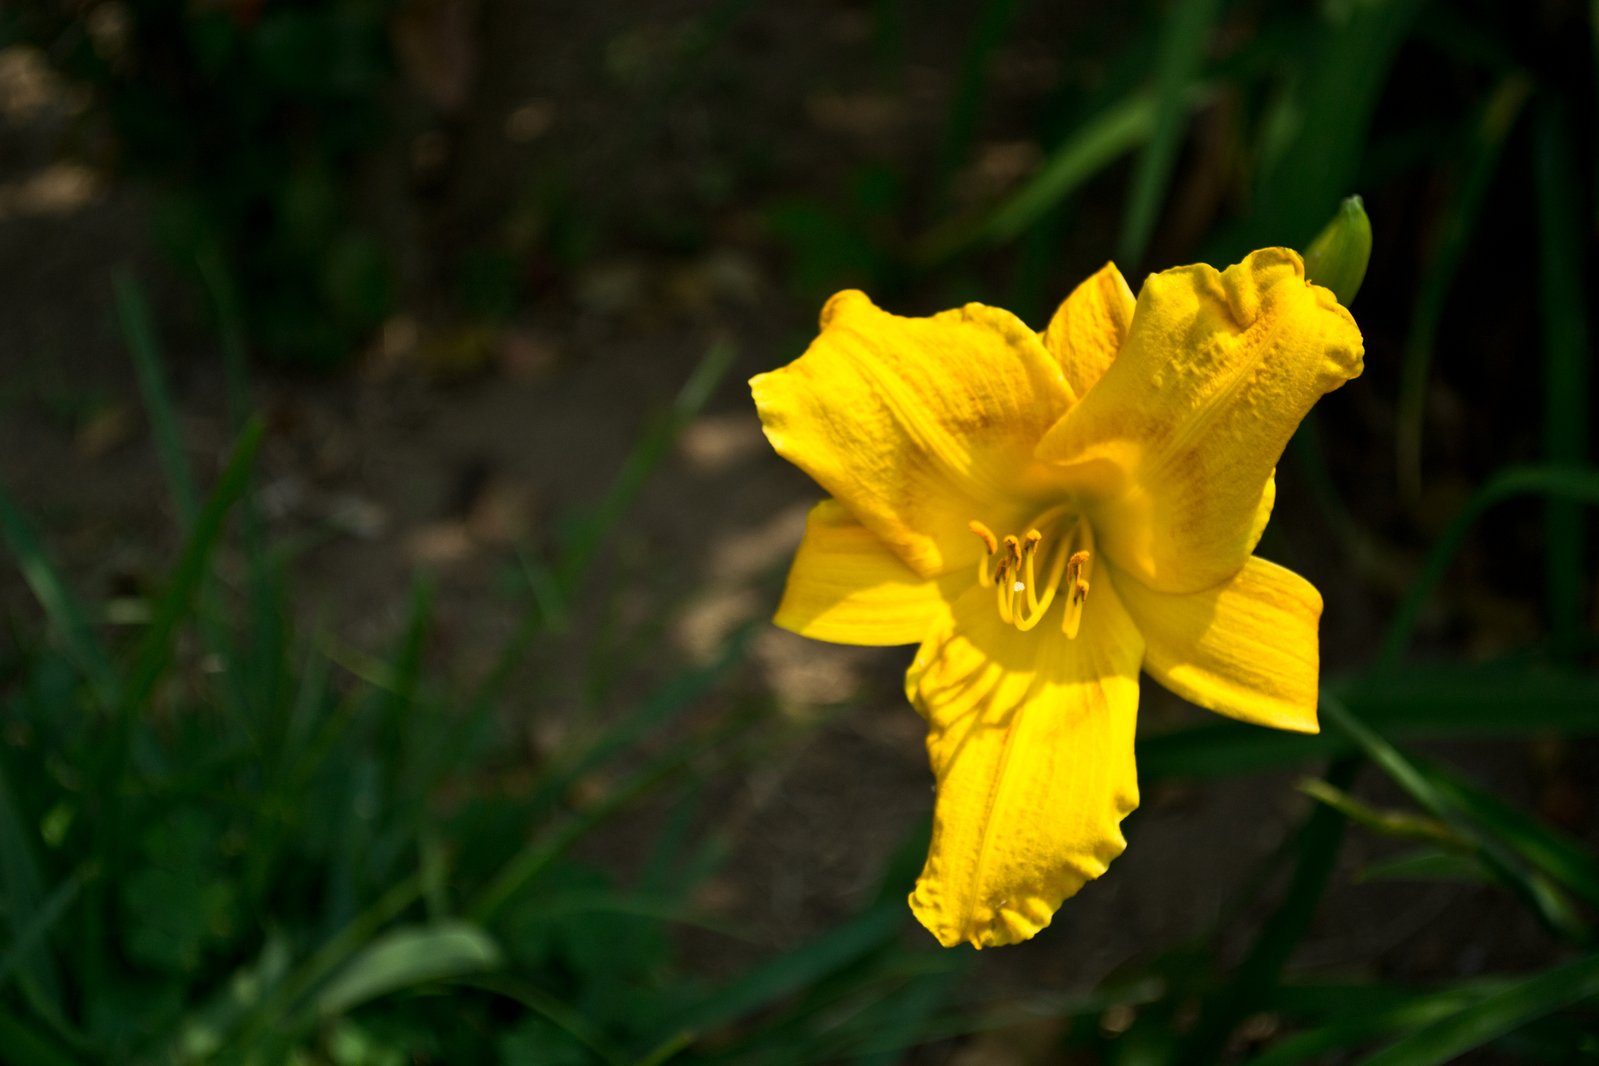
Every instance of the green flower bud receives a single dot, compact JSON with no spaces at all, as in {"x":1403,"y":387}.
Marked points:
{"x":1337,"y":257}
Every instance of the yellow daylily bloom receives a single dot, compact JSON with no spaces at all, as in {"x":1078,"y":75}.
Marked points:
{"x":1045,"y":515}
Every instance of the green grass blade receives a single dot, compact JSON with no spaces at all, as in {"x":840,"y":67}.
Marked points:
{"x":1545,"y":899}
{"x":1393,"y":1010}
{"x":1186,"y":34}
{"x":270,"y":1014}
{"x":29,"y":931}
{"x":155,"y":650}
{"x":1328,"y":120}
{"x":993,"y":23}
{"x":1246,"y":988}
{"x":405,"y":958}
{"x":78,"y":638}
{"x":1492,"y":130}
{"x":1099,"y":142}
{"x":139,"y":331}
{"x":23,"y":906}
{"x":1494,"y":1016}
{"x":799,"y":969}
{"x":1563,"y":286}
{"x":1572,"y":484}
{"x":1561,"y":857}
{"x":651,"y":448}
{"x":1418,"y":703}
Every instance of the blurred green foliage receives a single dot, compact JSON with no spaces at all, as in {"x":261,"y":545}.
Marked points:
{"x":251,"y":120}
{"x":228,"y":842}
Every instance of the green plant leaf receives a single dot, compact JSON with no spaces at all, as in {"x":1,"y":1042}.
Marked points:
{"x":139,"y":331}
{"x":1525,"y":1000}
{"x":1564,"y":483}
{"x":1564,"y":288}
{"x":1185,"y":36}
{"x":405,"y":958}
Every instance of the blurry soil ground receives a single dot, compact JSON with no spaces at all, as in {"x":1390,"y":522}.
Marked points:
{"x":420,"y":458}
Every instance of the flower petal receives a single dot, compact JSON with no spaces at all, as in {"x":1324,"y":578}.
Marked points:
{"x":1089,"y":327}
{"x":1030,"y":736}
{"x":1171,"y":452}
{"x":846,"y":586}
{"x":917,"y":425}
{"x":1246,"y":648}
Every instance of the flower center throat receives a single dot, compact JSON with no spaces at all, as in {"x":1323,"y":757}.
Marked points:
{"x":1027,"y":572}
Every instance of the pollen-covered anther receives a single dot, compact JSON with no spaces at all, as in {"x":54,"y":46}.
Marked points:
{"x":1077,"y":568}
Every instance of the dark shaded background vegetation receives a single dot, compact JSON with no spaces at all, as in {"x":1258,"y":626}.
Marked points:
{"x":384,"y":675}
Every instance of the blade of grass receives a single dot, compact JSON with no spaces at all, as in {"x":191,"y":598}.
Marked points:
{"x":1483,"y":149}
{"x":29,"y":930}
{"x":993,"y":23}
{"x":1396,"y":1011}
{"x":771,"y":981}
{"x":1542,"y":896}
{"x":1415,"y":704}
{"x":1187,"y":32}
{"x":1494,"y":1015}
{"x":404,"y":958}
{"x":1257,"y":975}
{"x":1572,"y":484}
{"x":155,"y":650}
{"x":271,"y":1013}
{"x":1097,"y":143}
{"x":138,"y":330}
{"x":23,"y":906}
{"x":1563,"y":287}
{"x":82,"y":646}
{"x":570,"y":1021}
{"x":1559,"y":856}
{"x":651,"y":448}
{"x":537,"y":855}
{"x":1323,"y":123}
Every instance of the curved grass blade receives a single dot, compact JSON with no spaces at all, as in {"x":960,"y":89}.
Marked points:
{"x":405,"y":958}
{"x":1497,"y":119}
{"x":1398,"y":1011}
{"x":134,"y":312}
{"x":1187,"y":32}
{"x":1317,"y":846}
{"x":1559,"y":856}
{"x":82,"y":646}
{"x":1540,"y":894}
{"x":1565,"y":483}
{"x":155,"y":651}
{"x":1494,"y":1016}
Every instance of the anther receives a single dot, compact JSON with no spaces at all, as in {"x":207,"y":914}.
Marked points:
{"x":986,"y":534}
{"x":1077,"y":569}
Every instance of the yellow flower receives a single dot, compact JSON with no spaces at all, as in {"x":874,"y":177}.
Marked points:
{"x":1045,"y":515}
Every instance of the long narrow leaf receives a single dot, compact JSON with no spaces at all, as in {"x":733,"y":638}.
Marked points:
{"x":1546,"y":900}
{"x":1564,"y":483}
{"x":1495,"y":1015}
{"x":1564,"y":290}
{"x":82,"y":646}
{"x":1183,"y":41}
{"x":139,"y":331}
{"x":155,"y":651}
{"x":1493,"y":128}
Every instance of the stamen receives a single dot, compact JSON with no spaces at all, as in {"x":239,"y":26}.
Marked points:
{"x":991,"y":543}
{"x":1077,"y":569}
{"x":1011,"y":565}
{"x":1004,"y":595}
